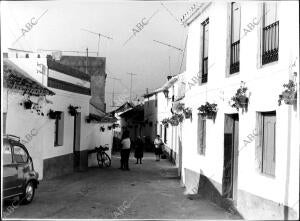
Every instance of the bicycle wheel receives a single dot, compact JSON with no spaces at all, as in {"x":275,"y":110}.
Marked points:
{"x":99,"y":159}
{"x":106,"y":161}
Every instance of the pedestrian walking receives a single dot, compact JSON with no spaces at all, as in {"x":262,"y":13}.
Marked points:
{"x":158,"y":147}
{"x":139,"y":150}
{"x":125,"y":150}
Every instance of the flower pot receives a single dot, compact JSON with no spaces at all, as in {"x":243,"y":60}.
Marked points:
{"x":28,"y":104}
{"x":243,"y":101}
{"x":289,"y":98}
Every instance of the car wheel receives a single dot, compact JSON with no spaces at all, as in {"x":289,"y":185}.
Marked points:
{"x":28,"y":195}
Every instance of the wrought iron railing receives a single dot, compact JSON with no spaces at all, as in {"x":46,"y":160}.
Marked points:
{"x":204,"y":70}
{"x":270,"y":43}
{"x":235,"y":57}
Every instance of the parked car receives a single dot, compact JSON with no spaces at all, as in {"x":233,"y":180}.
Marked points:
{"x":19,"y":177}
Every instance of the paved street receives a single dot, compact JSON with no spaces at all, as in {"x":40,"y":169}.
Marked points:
{"x":149,"y":191}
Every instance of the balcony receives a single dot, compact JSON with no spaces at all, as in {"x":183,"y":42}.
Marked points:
{"x":270,"y":43}
{"x":235,"y":57}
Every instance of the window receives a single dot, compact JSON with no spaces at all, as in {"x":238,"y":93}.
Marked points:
{"x":19,"y":155}
{"x":201,"y":135}
{"x":7,"y":157}
{"x":59,"y":130}
{"x":235,"y":38}
{"x":270,"y":38}
{"x":205,"y":51}
{"x":266,"y":145}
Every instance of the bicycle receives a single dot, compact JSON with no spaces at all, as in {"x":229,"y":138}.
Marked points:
{"x":102,"y":157}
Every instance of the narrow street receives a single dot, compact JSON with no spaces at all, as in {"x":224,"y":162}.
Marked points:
{"x":148,"y":191}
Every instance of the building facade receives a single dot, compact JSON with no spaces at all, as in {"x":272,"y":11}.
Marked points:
{"x":246,"y":159}
{"x":57,"y":130}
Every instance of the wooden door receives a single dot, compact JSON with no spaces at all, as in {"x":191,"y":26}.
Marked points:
{"x":269,"y":134}
{"x":229,"y":182}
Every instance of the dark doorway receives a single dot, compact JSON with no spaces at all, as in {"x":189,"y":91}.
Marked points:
{"x":76,"y":141}
{"x":231,"y":139}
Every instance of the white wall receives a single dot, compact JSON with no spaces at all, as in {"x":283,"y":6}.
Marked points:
{"x":98,"y":138}
{"x":264,"y":83}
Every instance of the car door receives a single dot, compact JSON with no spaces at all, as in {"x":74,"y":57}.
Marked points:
{"x":10,"y":172}
{"x":20,"y":159}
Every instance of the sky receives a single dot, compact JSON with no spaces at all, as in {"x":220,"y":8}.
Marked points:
{"x":60,"y":28}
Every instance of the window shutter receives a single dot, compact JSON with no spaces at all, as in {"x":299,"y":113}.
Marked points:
{"x":258,"y":141}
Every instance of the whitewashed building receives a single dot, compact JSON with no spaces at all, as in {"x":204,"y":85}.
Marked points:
{"x":58,"y":142}
{"x":244,"y":160}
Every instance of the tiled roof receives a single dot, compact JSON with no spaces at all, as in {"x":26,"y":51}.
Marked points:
{"x":56,"y":66}
{"x":16,"y":78}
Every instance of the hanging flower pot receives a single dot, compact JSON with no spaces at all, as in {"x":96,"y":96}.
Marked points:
{"x":109,"y":127}
{"x":165,"y":122}
{"x":208,"y":111}
{"x":54,"y":114}
{"x":240,"y":99}
{"x":187,"y":113}
{"x":27,"y":104}
{"x":102,"y":129}
{"x":73,"y":110}
{"x":289,"y":95}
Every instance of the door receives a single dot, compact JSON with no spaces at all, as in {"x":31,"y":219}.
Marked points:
{"x":76,"y":140}
{"x":229,"y":182}
{"x":269,"y":135}
{"x":10,"y":172}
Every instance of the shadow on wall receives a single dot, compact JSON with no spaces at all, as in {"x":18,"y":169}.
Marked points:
{"x":199,"y":186}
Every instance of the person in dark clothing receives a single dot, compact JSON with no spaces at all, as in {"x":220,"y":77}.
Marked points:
{"x":125,"y":150}
{"x":139,"y":150}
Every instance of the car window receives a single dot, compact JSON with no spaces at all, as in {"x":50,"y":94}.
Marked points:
{"x":20,"y":156}
{"x":7,"y":158}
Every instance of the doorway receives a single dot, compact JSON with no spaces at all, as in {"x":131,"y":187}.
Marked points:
{"x":76,"y":141}
{"x":231,"y":148}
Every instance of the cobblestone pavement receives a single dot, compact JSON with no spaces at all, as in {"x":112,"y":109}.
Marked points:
{"x":148,"y":191}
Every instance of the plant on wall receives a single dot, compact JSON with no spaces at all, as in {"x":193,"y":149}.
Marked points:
{"x":289,"y":95}
{"x":240,"y":99}
{"x":30,"y":105}
{"x":102,"y":128}
{"x":179,"y":107}
{"x":53,"y":114}
{"x":176,"y":119}
{"x":208,"y":111}
{"x":165,"y":122}
{"x":73,"y":110}
{"x":187,"y":112}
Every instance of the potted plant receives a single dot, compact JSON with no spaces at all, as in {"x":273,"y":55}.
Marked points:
{"x":240,"y":99}
{"x":165,"y":122}
{"x":53,"y":114}
{"x":208,"y":111}
{"x":73,"y":110}
{"x":187,"y":112}
{"x":102,"y":128}
{"x":27,"y":104}
{"x":179,"y":107}
{"x":289,"y":95}
{"x":176,"y":119}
